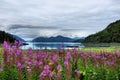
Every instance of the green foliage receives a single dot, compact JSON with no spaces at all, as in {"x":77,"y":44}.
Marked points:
{"x":100,"y":74}
{"x":35,"y":75}
{"x":6,"y":36}
{"x":98,"y":49}
{"x":90,"y":72}
{"x":9,"y":73}
{"x":108,"y":35}
{"x":24,"y":74}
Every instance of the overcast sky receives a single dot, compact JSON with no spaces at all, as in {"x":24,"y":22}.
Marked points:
{"x":73,"y":18}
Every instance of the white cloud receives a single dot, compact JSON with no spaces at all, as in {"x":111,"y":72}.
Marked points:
{"x":88,"y":16}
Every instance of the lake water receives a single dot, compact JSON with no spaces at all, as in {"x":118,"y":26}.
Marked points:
{"x":51,"y":45}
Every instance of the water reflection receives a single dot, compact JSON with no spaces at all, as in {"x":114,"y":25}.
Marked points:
{"x":51,"y":45}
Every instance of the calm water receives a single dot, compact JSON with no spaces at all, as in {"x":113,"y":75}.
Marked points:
{"x":50,"y":45}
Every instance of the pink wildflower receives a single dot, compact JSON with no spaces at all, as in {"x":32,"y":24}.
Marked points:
{"x":19,"y":65}
{"x":66,"y":62}
{"x":1,"y":70}
{"x":55,"y":58}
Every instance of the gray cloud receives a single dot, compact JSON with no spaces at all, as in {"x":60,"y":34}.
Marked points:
{"x":55,"y":17}
{"x":19,"y":26}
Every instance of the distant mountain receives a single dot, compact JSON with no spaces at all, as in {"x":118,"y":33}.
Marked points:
{"x":18,"y":38}
{"x":53,"y":39}
{"x":6,"y":36}
{"x":109,"y":35}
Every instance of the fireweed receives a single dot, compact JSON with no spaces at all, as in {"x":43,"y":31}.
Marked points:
{"x":57,"y":64}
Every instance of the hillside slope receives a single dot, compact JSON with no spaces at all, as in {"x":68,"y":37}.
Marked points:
{"x":110,"y":34}
{"x":6,"y":36}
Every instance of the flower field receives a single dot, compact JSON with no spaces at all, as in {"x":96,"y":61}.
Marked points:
{"x":18,"y":64}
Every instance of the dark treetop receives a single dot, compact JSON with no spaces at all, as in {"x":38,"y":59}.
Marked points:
{"x":109,"y":35}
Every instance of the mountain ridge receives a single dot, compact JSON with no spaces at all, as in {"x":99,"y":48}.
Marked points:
{"x":111,"y":34}
{"x":18,"y":38}
{"x":58,"y":38}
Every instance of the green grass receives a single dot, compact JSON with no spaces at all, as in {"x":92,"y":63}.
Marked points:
{"x":97,"y":49}
{"x":0,"y":51}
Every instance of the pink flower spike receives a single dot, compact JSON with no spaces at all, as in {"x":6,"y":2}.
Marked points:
{"x":51,"y":74}
{"x":19,"y":65}
{"x":6,"y":45}
{"x":1,"y":70}
{"x":55,"y":58}
{"x":77,"y":71}
{"x":43,"y":74}
{"x":19,"y":52}
{"x":68,"y":55}
{"x":65,"y":62}
{"x":40,"y":63}
{"x":20,"y":43}
{"x":46,"y":67}
{"x":29,"y":63}
{"x":59,"y":67}
{"x":15,"y":43}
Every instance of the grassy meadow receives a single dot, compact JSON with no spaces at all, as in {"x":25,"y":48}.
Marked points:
{"x":97,"y":49}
